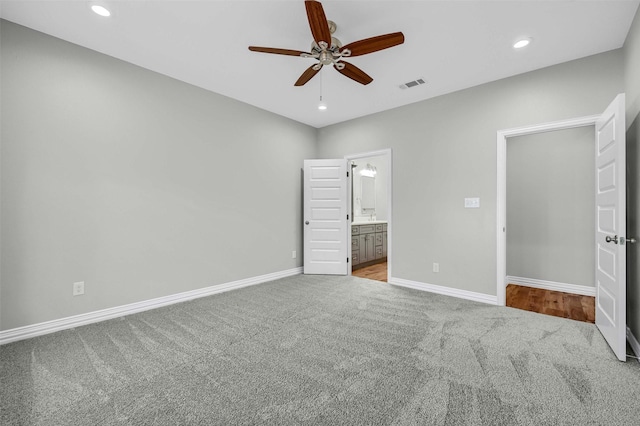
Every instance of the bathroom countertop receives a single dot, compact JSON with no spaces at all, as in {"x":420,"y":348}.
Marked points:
{"x":369,"y":222}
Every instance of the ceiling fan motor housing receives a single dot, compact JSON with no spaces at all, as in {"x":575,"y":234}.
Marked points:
{"x":335,"y":46}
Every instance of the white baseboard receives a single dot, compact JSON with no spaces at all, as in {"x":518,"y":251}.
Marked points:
{"x":633,"y":342}
{"x":447,"y":291}
{"x":39,"y":329}
{"x":552,"y":285}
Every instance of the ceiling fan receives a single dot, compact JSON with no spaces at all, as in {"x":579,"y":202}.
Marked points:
{"x":328,"y":50}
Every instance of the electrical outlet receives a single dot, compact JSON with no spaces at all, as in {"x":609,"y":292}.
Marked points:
{"x":78,"y":288}
{"x":294,"y":254}
{"x":436,"y":267}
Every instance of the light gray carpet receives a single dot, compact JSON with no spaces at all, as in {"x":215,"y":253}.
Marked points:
{"x":321,"y":350}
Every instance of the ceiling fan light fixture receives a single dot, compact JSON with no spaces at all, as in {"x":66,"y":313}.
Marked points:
{"x":521,"y":43}
{"x":101,"y":10}
{"x":322,"y":106}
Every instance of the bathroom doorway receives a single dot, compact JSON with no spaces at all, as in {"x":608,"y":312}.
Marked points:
{"x":370,"y":217}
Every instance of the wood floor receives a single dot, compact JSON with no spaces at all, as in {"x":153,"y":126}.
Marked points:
{"x":376,"y":272}
{"x":555,"y":303}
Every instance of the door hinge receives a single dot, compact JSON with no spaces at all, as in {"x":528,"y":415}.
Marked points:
{"x":347,"y":174}
{"x":347,"y":217}
{"x":347,"y":260}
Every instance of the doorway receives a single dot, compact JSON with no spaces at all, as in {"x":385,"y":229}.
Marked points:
{"x":502,"y":190}
{"x":370,"y":195}
{"x":550,"y":221}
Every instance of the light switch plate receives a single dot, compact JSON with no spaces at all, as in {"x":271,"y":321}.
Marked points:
{"x":472,"y":203}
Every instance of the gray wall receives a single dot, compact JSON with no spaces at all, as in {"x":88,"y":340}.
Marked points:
{"x":632,"y":88}
{"x":140,"y":185}
{"x":550,"y":206}
{"x":444,"y":149}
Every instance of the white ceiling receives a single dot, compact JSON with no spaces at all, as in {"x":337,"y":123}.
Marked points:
{"x":451,"y":44}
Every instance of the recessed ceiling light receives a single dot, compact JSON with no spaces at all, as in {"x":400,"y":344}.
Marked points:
{"x":100,"y":10}
{"x":522,"y":43}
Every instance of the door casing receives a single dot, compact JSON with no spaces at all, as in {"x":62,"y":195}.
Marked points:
{"x":501,"y":201}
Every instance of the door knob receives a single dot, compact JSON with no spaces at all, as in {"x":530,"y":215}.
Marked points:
{"x":610,"y":239}
{"x":306,"y":223}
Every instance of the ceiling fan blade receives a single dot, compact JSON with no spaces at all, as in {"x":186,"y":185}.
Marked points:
{"x":277,"y":51}
{"x":308,"y":75}
{"x":354,"y":73}
{"x":373,"y":44}
{"x":318,"y":22}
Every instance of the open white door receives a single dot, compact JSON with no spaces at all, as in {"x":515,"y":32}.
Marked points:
{"x":325,"y":217}
{"x":611,"y":259}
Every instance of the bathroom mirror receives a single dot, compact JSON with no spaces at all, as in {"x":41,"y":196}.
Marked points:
{"x":368,"y":194}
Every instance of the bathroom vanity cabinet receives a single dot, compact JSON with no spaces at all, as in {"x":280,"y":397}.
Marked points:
{"x":368,"y":243}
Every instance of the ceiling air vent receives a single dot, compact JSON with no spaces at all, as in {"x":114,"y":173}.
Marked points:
{"x":413,"y":83}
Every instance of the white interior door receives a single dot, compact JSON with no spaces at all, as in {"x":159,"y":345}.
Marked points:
{"x":325,"y":217}
{"x":611,"y":227}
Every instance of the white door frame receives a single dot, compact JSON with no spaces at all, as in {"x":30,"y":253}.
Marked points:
{"x":388,"y":154}
{"x":501,"y":219}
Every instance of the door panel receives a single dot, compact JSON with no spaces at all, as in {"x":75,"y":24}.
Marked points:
{"x":606,"y":219}
{"x":325,"y":217}
{"x":611,"y":227}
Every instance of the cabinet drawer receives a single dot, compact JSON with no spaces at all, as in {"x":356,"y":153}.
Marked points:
{"x":379,"y":227}
{"x":355,"y":258}
{"x":355,"y":243}
{"x":379,"y":239}
{"x":379,"y":253}
{"x":367,"y":229}
{"x":355,"y":230}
